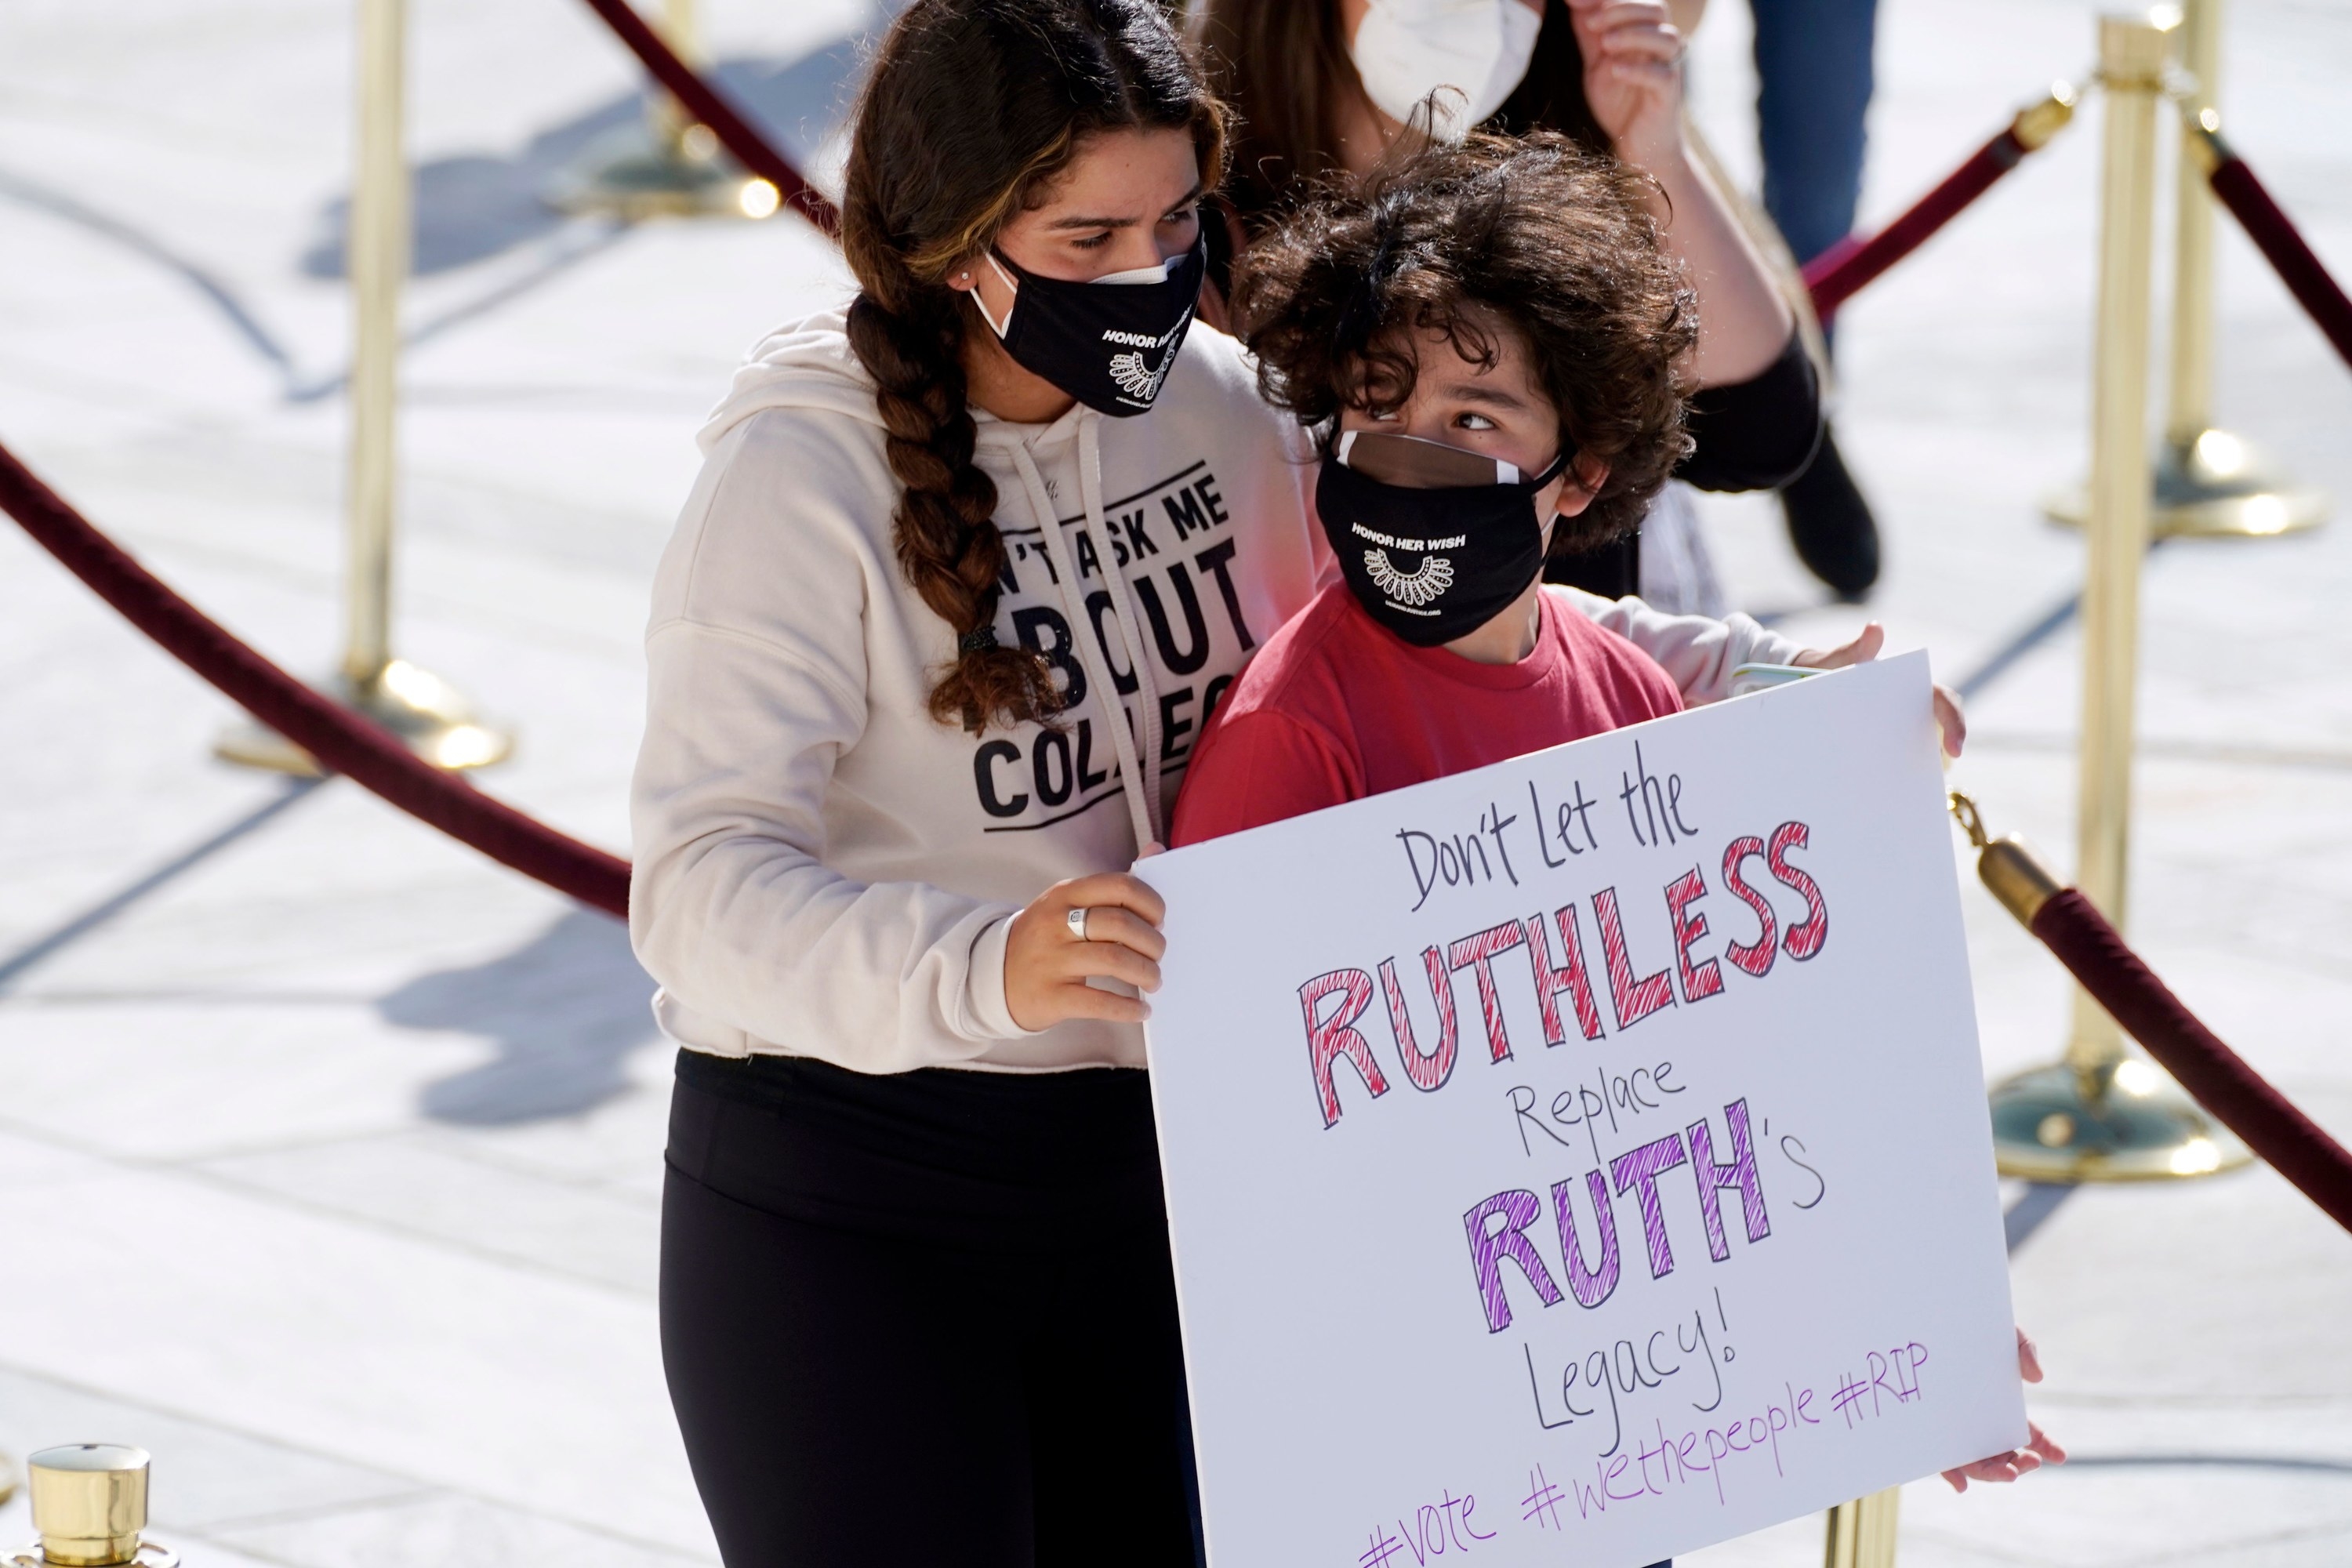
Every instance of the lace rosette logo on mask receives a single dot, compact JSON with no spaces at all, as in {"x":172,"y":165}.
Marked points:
{"x":1421,"y":586}
{"x":1135,"y":378}
{"x":1478,"y":547}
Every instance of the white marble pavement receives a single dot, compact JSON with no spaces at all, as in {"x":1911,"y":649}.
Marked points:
{"x":328,"y":1153}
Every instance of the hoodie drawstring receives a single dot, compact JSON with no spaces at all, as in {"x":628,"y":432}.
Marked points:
{"x":1091,"y":656}
{"x":1130,"y":626}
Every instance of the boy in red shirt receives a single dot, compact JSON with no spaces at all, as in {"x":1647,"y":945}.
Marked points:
{"x":1488,"y":341}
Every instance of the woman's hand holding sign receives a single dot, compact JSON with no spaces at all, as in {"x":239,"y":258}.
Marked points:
{"x":2039,"y":1448}
{"x":1103,"y":927}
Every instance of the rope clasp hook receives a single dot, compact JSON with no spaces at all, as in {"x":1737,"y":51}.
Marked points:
{"x":1970,"y":819}
{"x":2008,"y":869}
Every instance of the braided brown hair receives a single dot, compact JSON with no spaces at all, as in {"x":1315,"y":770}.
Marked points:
{"x":972,"y":109}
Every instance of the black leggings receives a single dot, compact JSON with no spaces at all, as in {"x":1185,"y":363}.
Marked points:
{"x":926,"y":1319}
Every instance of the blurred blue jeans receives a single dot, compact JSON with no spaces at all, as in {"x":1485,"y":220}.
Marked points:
{"x":1812,"y":67}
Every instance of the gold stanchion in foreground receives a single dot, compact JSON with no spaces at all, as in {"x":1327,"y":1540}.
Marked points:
{"x":667,"y":166}
{"x":90,"y":1505}
{"x":418,"y":707}
{"x":2100,"y":1115}
{"x":2210,"y":483}
{"x":1862,"y":1532}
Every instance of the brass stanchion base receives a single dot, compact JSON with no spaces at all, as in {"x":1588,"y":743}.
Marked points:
{"x":414,"y":704}
{"x":633,"y":175}
{"x":2215,"y":487}
{"x":2129,"y":1122}
{"x":148,"y":1554}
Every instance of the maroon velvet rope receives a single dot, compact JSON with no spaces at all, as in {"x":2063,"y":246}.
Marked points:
{"x":1839,"y":273}
{"x":342,"y":740}
{"x":2216,"y":1075}
{"x":2274,"y":234}
{"x":703,"y":101}
{"x":370,"y":756}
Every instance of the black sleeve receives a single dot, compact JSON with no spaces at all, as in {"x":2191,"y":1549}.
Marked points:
{"x":1755,"y":435}
{"x":1612,"y":570}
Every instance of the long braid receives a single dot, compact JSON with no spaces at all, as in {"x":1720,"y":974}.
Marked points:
{"x":944,"y":530}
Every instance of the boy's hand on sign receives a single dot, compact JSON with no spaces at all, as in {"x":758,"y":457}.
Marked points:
{"x":1104,"y":927}
{"x":1860,"y":650}
{"x":1950,"y":721}
{"x":2040,"y":1448}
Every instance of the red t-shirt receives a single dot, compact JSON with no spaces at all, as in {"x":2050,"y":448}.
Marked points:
{"x":1336,"y":708}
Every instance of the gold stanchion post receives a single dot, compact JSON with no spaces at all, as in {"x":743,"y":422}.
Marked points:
{"x":668,"y":166}
{"x":2210,"y":483}
{"x":418,"y":707}
{"x":1862,"y":1532}
{"x":2101,"y":1115}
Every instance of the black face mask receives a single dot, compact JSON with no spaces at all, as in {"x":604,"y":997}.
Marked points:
{"x":1432,"y":564}
{"x":1107,"y":344}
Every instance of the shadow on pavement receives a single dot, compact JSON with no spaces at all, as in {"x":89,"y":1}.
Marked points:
{"x":2079,"y":1462}
{"x":64,"y":935}
{"x":566,"y":1010}
{"x":475,"y":206}
{"x":2028,"y":1214}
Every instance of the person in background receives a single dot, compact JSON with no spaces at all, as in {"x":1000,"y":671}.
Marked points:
{"x":1814,"y":86}
{"x":1325,"y":88}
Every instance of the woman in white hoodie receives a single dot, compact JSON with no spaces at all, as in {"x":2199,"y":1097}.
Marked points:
{"x":928,"y":653}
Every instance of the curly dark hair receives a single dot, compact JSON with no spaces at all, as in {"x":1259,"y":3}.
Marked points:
{"x":1539,"y":235}
{"x":971,"y":110}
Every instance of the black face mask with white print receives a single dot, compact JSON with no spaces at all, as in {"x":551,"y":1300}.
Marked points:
{"x":1108,"y":343}
{"x":1430,"y":563}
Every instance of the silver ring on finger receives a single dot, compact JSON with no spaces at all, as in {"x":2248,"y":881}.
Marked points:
{"x":1077,"y":919}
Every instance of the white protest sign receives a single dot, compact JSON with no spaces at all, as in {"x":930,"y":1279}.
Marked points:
{"x":1585,"y":1159}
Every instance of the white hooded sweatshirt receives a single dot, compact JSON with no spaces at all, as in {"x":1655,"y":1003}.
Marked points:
{"x":823,"y":871}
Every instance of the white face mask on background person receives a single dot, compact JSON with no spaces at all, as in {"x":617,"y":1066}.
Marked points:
{"x":1479,"y":49}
